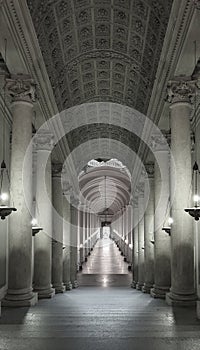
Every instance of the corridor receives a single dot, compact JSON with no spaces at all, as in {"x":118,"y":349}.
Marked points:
{"x":105,"y":267}
{"x":100,"y":316}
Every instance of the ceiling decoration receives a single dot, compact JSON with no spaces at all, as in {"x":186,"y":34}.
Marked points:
{"x":101,"y":50}
{"x":105,"y":184}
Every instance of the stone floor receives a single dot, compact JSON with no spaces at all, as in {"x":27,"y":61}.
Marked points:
{"x":102,"y":316}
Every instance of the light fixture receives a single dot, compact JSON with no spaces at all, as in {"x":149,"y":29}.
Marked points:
{"x":167,"y":229}
{"x":81,"y":246}
{"x":35,"y":227}
{"x":126,"y":241}
{"x":5,"y":210}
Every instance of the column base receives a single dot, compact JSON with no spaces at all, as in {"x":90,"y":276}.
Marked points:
{"x":159,"y":292}
{"x":46,"y":293}
{"x":139,"y":286}
{"x":133,"y":285}
{"x":75,"y":284}
{"x":59,"y":288}
{"x":68,"y":286}
{"x":15,"y":299}
{"x":147,"y":288}
{"x":173,"y":299}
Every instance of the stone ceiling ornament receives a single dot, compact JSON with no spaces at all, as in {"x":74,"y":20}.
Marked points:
{"x":101,"y":50}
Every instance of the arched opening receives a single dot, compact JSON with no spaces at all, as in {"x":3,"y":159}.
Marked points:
{"x":105,"y":187}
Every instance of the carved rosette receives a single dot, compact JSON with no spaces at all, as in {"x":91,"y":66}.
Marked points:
{"x":181,"y":91}
{"x":21,"y":88}
{"x":44,"y":141}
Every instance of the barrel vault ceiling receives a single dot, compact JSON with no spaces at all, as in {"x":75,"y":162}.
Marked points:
{"x":101,"y":50}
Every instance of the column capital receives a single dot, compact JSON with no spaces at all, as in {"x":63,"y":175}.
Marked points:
{"x":159,"y":142}
{"x":21,"y":88}
{"x":44,"y":140}
{"x":181,"y":91}
{"x":56,"y":169}
{"x":149,"y":167}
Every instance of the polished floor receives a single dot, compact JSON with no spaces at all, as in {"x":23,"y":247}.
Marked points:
{"x":100,"y":317}
{"x":105,"y":267}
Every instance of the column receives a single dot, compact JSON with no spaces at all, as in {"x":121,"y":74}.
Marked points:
{"x":182,"y":291}
{"x":135,"y":242}
{"x":86,"y":234}
{"x":81,"y":232}
{"x":43,"y":241}
{"x":149,"y":230}
{"x":162,"y":245}
{"x":19,"y":293}
{"x":73,"y":240}
{"x":66,"y":237}
{"x":57,"y":246}
{"x":141,"y":238}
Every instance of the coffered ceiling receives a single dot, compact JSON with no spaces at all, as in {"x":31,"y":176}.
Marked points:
{"x":101,"y":50}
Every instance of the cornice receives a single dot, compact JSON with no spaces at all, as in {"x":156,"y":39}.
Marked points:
{"x":22,"y":32}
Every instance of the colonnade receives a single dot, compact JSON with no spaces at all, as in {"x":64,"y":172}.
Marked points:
{"x":47,"y":263}
{"x":163,"y":261}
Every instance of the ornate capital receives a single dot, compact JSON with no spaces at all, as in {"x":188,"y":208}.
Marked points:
{"x":44,"y":140}
{"x":149,"y":170}
{"x":158,"y":142}
{"x":181,"y":91}
{"x":57,"y":169}
{"x":21,"y":88}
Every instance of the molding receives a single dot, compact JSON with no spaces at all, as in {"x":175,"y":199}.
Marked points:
{"x":18,"y":19}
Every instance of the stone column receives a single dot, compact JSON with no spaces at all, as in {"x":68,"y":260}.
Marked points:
{"x":66,"y":238}
{"x":57,"y":246}
{"x":135,"y":242}
{"x":149,"y":231}
{"x":141,"y":238}
{"x":182,"y":290}
{"x":43,"y":241}
{"x":81,"y":232}
{"x":73,"y":240}
{"x":162,"y":245}
{"x":19,"y":293}
{"x":86,"y":234}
